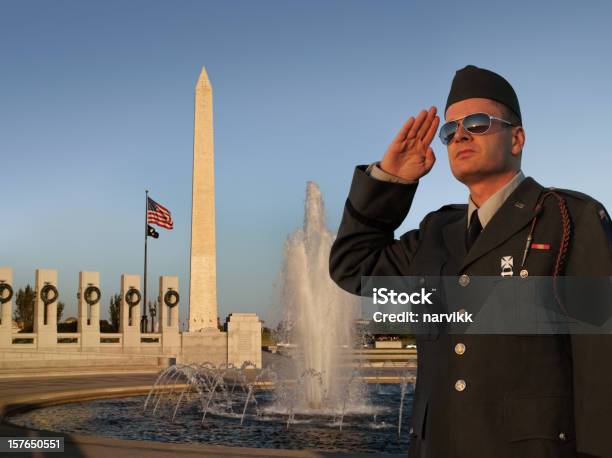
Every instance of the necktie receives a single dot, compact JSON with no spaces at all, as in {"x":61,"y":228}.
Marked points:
{"x":474,"y":230}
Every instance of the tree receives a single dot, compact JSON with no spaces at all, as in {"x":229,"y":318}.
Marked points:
{"x":24,"y":307}
{"x":113,"y":311}
{"x":24,"y":310}
{"x":268,"y":336}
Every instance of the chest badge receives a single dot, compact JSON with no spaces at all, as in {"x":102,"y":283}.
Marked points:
{"x":507,"y":263}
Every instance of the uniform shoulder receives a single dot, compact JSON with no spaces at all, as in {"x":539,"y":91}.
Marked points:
{"x":448,"y":212}
{"x":575,"y":194}
{"x":457,"y":208}
{"x":581,"y":204}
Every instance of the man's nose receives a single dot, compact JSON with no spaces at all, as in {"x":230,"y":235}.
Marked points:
{"x":461,"y":134}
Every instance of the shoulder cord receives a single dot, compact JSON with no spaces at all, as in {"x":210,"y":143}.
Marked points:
{"x":566,"y":234}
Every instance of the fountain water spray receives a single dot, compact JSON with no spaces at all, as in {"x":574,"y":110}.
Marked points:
{"x":319,"y":315}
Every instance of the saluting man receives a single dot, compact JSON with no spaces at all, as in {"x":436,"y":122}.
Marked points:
{"x":492,"y":396}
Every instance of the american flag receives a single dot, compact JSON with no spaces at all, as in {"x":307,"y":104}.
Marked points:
{"x":158,"y":214}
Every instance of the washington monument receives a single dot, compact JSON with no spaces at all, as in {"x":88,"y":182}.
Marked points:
{"x":203,"y":273}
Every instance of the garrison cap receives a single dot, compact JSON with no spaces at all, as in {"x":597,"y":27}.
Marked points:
{"x":473,"y":82}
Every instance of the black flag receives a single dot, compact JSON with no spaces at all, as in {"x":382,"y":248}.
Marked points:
{"x":151,"y":232}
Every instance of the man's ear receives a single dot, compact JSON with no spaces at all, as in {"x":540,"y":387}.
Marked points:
{"x":518,"y":140}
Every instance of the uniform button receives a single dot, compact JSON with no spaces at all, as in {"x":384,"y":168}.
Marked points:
{"x":460,"y":385}
{"x":464,"y":280}
{"x":562,"y":436}
{"x":460,"y":348}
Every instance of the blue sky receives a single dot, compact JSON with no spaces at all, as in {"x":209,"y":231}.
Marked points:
{"x":96,"y":105}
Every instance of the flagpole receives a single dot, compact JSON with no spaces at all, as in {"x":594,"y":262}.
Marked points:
{"x":146,"y":232}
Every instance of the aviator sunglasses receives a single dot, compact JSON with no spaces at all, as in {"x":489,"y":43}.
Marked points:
{"x":475,"y":123}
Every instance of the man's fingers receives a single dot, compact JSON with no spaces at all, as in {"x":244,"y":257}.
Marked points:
{"x":433,"y":128}
{"x":418,"y":122}
{"x":401,"y":135}
{"x":424,"y":128}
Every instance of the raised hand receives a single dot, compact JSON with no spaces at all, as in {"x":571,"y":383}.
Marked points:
{"x":409,"y":155}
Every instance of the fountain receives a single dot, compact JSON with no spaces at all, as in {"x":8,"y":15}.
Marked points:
{"x":319,"y":314}
{"x":321,"y":378}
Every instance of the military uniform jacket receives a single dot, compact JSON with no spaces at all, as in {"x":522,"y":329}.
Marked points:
{"x":541,"y":396}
